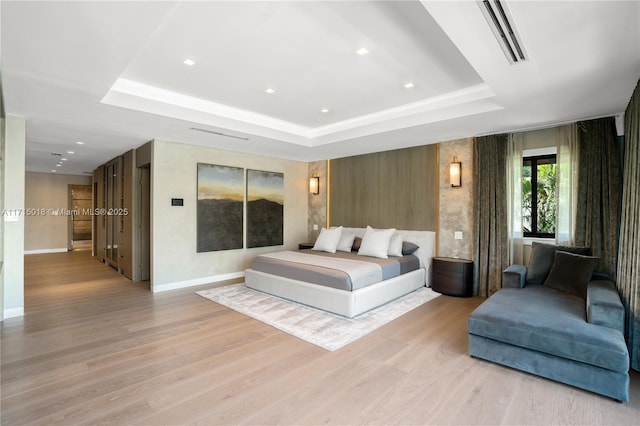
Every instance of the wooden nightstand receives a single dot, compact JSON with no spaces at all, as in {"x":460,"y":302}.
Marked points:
{"x":303,"y":246}
{"x":452,"y":276}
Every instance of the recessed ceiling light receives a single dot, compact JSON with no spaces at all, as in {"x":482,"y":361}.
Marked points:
{"x":58,"y":165}
{"x":70,"y":152}
{"x":409,"y":85}
{"x":53,"y":171}
{"x":189,"y":62}
{"x":362,"y":51}
{"x":79,"y":143}
{"x":324,"y":110}
{"x":270,"y":90}
{"x":63,"y":159}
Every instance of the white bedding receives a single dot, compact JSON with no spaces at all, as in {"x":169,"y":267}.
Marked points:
{"x":361,"y":273}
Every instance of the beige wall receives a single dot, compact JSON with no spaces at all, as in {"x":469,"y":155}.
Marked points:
{"x":48,"y":192}
{"x":13,"y":232}
{"x":317,"y":203}
{"x":175,"y":262}
{"x":543,"y":138}
{"x":2,"y":183}
{"x":456,"y":204}
{"x":1,"y":205}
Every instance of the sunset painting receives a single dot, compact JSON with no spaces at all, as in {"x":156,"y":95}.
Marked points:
{"x":220,"y":206}
{"x":265,"y":208}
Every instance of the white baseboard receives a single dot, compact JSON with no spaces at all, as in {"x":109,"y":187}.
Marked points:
{"x":13,"y":312}
{"x":44,"y":251}
{"x":198,"y":281}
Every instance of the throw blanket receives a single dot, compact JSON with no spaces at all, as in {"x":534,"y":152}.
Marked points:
{"x":359,"y":273}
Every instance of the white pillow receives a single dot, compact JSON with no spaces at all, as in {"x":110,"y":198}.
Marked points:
{"x":328,"y":240}
{"x":346,"y":242}
{"x":395,"y":245}
{"x":375,"y":242}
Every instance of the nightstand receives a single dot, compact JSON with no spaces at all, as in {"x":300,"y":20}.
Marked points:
{"x":303,"y":246}
{"x":452,"y":276}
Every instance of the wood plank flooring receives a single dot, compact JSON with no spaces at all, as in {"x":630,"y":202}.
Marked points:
{"x":95,"y":348}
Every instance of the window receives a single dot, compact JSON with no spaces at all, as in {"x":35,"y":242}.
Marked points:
{"x":539,"y":205}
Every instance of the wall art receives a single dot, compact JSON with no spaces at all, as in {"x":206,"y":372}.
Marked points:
{"x":220,"y":207}
{"x":265,"y":208}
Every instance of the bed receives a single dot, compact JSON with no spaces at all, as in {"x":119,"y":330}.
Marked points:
{"x":338,"y":298}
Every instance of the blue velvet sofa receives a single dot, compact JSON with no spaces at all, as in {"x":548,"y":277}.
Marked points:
{"x":556,"y":319}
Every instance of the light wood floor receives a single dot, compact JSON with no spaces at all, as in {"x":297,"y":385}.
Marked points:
{"x":94,"y":348}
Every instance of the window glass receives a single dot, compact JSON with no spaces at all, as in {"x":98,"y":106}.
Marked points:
{"x":539,"y":206}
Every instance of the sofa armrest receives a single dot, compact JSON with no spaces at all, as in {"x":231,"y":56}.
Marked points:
{"x":514,"y":276}
{"x":604,"y":306}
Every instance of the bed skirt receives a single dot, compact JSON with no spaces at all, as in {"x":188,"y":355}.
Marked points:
{"x":341,"y":302}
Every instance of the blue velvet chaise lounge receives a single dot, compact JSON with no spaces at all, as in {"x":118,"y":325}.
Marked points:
{"x":556,"y":319}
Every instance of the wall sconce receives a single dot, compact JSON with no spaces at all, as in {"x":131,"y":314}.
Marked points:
{"x":314,"y":185}
{"x":455,"y":173}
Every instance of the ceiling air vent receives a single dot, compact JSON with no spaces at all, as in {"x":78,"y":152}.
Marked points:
{"x":213,"y":132}
{"x":501,"y":23}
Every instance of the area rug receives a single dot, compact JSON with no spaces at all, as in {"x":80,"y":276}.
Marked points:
{"x":321,"y":328}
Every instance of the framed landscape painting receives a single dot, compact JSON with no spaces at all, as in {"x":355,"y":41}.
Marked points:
{"x":265,"y":208}
{"x":220,"y":207}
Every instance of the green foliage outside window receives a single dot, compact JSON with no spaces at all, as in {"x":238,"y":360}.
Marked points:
{"x":539,"y":207}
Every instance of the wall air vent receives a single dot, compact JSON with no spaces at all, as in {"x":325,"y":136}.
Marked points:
{"x":501,"y":23}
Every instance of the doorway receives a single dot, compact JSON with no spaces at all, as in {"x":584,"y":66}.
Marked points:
{"x":144,"y":222}
{"x":80,"y":223}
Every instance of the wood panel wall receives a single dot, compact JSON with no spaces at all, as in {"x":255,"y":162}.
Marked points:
{"x":99,"y":221}
{"x":126,"y":238}
{"x":115,"y":235}
{"x":390,"y":189}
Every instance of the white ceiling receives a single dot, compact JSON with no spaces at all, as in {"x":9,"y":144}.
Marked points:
{"x":111,"y":74}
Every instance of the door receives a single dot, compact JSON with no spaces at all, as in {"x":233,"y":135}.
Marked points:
{"x":80,"y":229}
{"x":113,"y":202}
{"x":144,"y":223}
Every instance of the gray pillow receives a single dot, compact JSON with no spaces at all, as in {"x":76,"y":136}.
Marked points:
{"x":408,"y":248}
{"x":357,"y":242}
{"x":571,"y":273}
{"x":542,"y":257}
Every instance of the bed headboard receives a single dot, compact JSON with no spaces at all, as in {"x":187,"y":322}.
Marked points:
{"x":425,"y":240}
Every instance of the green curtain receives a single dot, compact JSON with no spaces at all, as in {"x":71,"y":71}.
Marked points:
{"x":599,"y":191}
{"x":629,"y":251}
{"x":490,"y":213}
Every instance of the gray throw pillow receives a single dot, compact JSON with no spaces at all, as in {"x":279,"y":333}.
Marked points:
{"x":357,"y":242}
{"x":542,"y":257}
{"x":571,"y":273}
{"x":408,"y":248}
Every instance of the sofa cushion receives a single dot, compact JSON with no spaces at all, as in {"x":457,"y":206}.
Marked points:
{"x":514,"y":276}
{"x":571,"y":273}
{"x":542,"y":257}
{"x":604,"y":306}
{"x":550,"y":321}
